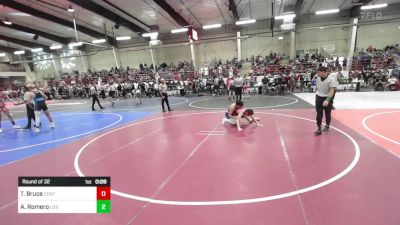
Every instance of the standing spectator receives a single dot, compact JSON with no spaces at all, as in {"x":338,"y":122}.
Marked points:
{"x":337,"y":64}
{"x":111,"y":94}
{"x":60,"y":92}
{"x":265,"y":84}
{"x":231,"y":88}
{"x":156,"y":87}
{"x":344,"y":63}
{"x":102,"y":88}
{"x":291,"y":83}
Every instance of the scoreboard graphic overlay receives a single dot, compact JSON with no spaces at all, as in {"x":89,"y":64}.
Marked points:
{"x":64,"y":195}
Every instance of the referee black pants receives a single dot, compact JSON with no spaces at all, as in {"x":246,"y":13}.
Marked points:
{"x":320,"y":110}
{"x":165,"y":99}
{"x":238,"y":93}
{"x":94,"y":100}
{"x":30,"y":113}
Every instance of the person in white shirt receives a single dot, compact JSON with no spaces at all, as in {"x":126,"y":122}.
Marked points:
{"x":393,"y":83}
{"x":392,"y":80}
{"x":111,"y":94}
{"x":137,"y":93}
{"x":324,"y":98}
{"x":102,"y":89}
{"x":156,"y":85}
{"x":231,"y":88}
{"x":146,"y":89}
{"x":157,"y":76}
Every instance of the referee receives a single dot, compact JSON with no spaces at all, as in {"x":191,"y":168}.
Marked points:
{"x":30,"y":107}
{"x":93,"y":94}
{"x":238,"y":83}
{"x":324,"y":99}
{"x":163,"y":88}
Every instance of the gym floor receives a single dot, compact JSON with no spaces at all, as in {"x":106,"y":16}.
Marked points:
{"x":184,"y":167}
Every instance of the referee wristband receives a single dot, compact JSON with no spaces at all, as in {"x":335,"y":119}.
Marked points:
{"x":328,"y":98}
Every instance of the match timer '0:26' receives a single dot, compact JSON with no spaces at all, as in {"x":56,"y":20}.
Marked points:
{"x":101,"y":181}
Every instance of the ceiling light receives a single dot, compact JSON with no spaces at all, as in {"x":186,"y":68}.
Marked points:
{"x":123,"y":38}
{"x":35,"y":37}
{"x":7,"y":22}
{"x":285,"y":16}
{"x":327,"y":11}
{"x":19,"y":14}
{"x":179,"y":30}
{"x":242,"y":22}
{"x":280,"y":38}
{"x":53,"y":47}
{"x":36,"y":49}
{"x":98,"y":41}
{"x":74,"y":44}
{"x":19,"y":52}
{"x":155,"y":42}
{"x":70,"y":9}
{"x":154,"y":34}
{"x":116,"y":26}
{"x":366,"y":7}
{"x":2,"y":54}
{"x":212,"y":26}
